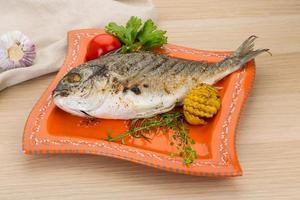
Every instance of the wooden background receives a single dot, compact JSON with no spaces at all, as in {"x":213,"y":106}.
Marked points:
{"x":268,"y":136}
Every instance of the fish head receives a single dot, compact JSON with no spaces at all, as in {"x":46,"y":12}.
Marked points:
{"x":82,"y":89}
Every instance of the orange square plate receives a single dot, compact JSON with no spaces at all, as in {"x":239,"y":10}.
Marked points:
{"x":50,"y":130}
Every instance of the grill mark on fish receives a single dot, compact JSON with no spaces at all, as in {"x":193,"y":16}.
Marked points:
{"x":101,"y":70}
{"x":134,"y":63}
{"x":146,"y":67}
{"x":140,"y":75}
{"x":87,"y":114}
{"x":194,"y":67}
{"x":161,"y":66}
{"x":158,"y":65}
{"x":179,"y":67}
{"x":166,"y":67}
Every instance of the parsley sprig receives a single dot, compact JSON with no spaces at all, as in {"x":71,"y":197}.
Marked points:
{"x":136,"y":35}
{"x":146,"y":128}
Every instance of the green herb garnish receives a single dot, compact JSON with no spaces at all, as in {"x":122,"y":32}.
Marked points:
{"x":136,"y":36}
{"x":147,"y":128}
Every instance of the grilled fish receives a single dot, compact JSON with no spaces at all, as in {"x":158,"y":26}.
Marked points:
{"x":140,"y":84}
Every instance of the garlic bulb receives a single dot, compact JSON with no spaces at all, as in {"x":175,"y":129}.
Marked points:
{"x":16,"y":50}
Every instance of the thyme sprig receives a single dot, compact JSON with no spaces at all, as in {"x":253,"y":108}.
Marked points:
{"x":147,"y":128}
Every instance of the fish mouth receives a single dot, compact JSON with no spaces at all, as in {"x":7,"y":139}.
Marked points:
{"x":59,"y":103}
{"x":59,"y":92}
{"x":85,"y":113}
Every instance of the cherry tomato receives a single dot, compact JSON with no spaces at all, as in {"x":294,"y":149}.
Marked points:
{"x":101,"y":44}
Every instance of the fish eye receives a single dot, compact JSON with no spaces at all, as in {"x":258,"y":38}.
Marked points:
{"x":73,"y":78}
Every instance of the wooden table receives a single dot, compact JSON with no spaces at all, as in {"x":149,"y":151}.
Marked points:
{"x":268,"y":136}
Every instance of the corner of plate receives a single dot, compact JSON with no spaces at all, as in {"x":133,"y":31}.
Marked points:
{"x":25,"y":147}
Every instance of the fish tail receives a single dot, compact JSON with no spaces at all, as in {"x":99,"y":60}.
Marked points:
{"x":239,"y":58}
{"x":245,"y":52}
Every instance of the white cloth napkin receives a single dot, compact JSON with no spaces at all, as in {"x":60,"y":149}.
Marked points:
{"x":47,"y":24}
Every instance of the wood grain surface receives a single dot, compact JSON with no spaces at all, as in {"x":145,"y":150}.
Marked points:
{"x":268,"y":136}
